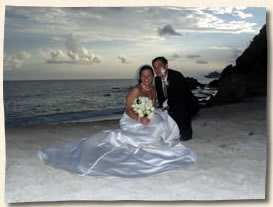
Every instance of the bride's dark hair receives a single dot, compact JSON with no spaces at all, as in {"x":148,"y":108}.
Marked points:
{"x":144,"y":67}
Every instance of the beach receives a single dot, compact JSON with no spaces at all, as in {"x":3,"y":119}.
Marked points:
{"x":230,"y":142}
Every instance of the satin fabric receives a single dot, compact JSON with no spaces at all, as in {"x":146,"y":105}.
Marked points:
{"x":133,"y":150}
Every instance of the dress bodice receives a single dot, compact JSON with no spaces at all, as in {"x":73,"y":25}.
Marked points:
{"x":155,"y":133}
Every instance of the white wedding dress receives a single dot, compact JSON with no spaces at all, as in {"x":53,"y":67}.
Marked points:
{"x":133,"y":150}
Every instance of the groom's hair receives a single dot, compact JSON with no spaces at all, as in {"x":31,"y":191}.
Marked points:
{"x":145,"y":67}
{"x":163,"y":59}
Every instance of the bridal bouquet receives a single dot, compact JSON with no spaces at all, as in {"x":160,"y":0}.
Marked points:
{"x":143,"y":107}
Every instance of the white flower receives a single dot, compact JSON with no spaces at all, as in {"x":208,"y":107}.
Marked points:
{"x":150,"y":116}
{"x":143,"y":106}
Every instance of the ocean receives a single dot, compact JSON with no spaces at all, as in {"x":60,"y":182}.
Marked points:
{"x":38,"y":102}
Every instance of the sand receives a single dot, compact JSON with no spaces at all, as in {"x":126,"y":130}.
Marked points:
{"x":230,"y":142}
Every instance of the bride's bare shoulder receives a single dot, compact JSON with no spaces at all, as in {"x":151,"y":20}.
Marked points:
{"x":134,"y":91}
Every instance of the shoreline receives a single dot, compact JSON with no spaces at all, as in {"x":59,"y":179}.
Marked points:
{"x":118,"y":116}
{"x":80,"y":120}
{"x":92,"y":119}
{"x":230,"y":142}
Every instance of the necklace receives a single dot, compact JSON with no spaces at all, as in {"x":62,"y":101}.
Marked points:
{"x":145,"y":88}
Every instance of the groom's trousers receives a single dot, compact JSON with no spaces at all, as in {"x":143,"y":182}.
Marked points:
{"x":183,"y":119}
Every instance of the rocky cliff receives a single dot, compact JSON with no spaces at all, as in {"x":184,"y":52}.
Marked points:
{"x":248,"y":77}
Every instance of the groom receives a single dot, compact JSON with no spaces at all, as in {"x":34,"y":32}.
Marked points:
{"x":174,"y":95}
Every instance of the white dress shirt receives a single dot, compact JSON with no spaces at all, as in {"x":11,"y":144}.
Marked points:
{"x":164,"y":87}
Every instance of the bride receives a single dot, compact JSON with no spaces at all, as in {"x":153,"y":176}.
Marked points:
{"x":141,"y":147}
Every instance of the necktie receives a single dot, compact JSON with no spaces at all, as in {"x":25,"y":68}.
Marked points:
{"x":165,"y":89}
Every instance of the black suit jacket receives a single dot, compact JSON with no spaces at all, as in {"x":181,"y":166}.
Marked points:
{"x":179,"y":94}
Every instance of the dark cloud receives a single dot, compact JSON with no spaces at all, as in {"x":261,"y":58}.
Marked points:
{"x":201,"y":62}
{"x":193,"y":56}
{"x":197,"y":61}
{"x":175,"y":55}
{"x":123,"y":59}
{"x":168,"y":30}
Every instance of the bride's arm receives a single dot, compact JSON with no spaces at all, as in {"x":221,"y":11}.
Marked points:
{"x":132,"y":95}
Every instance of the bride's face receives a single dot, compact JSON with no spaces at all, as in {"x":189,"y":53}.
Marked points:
{"x":146,"y":77}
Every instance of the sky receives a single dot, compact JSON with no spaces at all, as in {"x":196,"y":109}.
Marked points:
{"x":51,"y":43}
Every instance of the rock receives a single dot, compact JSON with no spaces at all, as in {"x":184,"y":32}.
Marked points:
{"x":213,"y":84}
{"x":254,"y":58}
{"x":193,"y":83}
{"x":214,"y":74}
{"x":248,"y":77}
{"x":229,"y":70}
{"x":231,"y":89}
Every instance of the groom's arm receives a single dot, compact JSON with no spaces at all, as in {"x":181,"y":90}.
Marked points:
{"x":180,"y":90}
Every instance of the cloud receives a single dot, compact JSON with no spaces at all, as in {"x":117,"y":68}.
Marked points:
{"x":197,"y":61}
{"x":234,"y":11}
{"x":174,"y":8}
{"x":123,"y":59}
{"x":201,"y":62}
{"x":175,"y":55}
{"x":219,"y":48}
{"x":15,"y":61}
{"x":80,"y":56}
{"x":59,"y":57}
{"x":74,"y":54}
{"x":235,"y":53}
{"x":72,"y":42}
{"x":168,"y":30}
{"x":209,"y":20}
{"x":110,"y":24}
{"x":242,"y":14}
{"x":221,"y":10}
{"x":193,"y":56}
{"x":231,"y":53}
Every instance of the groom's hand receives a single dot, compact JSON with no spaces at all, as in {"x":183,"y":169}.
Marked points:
{"x":165,"y":108}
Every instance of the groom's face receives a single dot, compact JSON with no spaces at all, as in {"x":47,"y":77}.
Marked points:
{"x":159,"y":68}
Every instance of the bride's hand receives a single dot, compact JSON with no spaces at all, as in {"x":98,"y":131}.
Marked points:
{"x":144,"y":120}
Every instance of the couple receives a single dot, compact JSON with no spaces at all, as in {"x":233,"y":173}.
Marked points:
{"x":141,"y":147}
{"x":172,"y":93}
